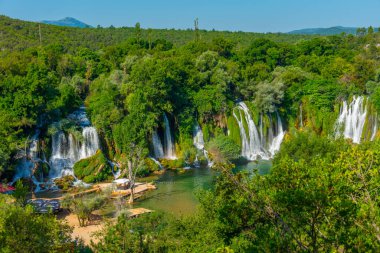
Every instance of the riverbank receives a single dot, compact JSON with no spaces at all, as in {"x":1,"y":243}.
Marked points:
{"x":88,"y":233}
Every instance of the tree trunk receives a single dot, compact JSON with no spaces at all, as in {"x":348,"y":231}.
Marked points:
{"x":131,"y":182}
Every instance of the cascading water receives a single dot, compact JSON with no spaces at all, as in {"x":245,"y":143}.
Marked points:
{"x":352,"y":119}
{"x":199,"y":143}
{"x":67,"y":150}
{"x":29,"y":162}
{"x":258,"y":143}
{"x":157,"y":145}
{"x":168,"y":143}
{"x":156,"y":162}
{"x":277,"y":140}
{"x":198,"y":140}
{"x":115,"y":172}
{"x":374,"y":131}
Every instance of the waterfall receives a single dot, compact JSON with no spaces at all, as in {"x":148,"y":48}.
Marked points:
{"x":199,"y":143}
{"x":67,"y":150}
{"x":168,"y":149}
{"x":90,"y":142}
{"x":169,"y":143}
{"x":251,"y":143}
{"x":374,"y":130}
{"x":157,"y":145}
{"x":258,"y":143}
{"x":277,"y":140}
{"x":198,"y":140}
{"x":156,"y":162}
{"x":29,"y":159}
{"x":352,"y":119}
{"x":116,"y":173}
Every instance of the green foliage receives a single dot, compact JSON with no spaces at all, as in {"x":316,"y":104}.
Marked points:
{"x":173,"y":164}
{"x":223,"y":149}
{"x":307,"y":145}
{"x":269,"y":95}
{"x":147,"y":167}
{"x":323,"y":191}
{"x":23,"y":231}
{"x":21,"y":35}
{"x":20,"y":193}
{"x":321,"y":198}
{"x":83,"y":206}
{"x":129,"y":77}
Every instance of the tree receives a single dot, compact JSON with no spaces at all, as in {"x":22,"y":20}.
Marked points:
{"x":196,"y":30}
{"x":138,"y":31}
{"x":23,"y":231}
{"x":21,"y":193}
{"x":370,"y":30}
{"x":83,"y":206}
{"x":134,"y":159}
{"x":269,"y":95}
{"x":131,"y":141}
{"x":361,"y":31}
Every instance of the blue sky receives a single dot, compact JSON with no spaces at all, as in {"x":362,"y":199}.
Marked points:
{"x":234,"y":15}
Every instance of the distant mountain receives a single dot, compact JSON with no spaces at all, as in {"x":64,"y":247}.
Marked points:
{"x":325,"y":31}
{"x":72,"y":22}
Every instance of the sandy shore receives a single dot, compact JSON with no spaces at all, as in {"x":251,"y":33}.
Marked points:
{"x":85,"y":233}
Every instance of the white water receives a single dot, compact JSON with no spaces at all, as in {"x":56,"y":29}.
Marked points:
{"x":198,"y":140}
{"x":156,"y":162}
{"x":66,"y":151}
{"x":29,"y":161}
{"x":255,"y":143}
{"x":199,"y":143}
{"x":116,"y":173}
{"x":157,"y":145}
{"x":352,"y":118}
{"x":168,"y":141}
{"x":374,"y":130}
{"x":275,"y":144}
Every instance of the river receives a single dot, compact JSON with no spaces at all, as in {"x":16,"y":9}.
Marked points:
{"x":176,"y":191}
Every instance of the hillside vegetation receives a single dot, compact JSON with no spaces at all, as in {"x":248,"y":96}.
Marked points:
{"x":19,"y":35}
{"x":321,"y":194}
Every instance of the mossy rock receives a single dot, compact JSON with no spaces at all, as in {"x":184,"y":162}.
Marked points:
{"x":93,"y":169}
{"x":173,"y":164}
{"x":234,"y":131}
{"x":65,"y":182}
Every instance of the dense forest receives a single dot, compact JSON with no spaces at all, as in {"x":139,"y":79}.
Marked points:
{"x":322,"y":191}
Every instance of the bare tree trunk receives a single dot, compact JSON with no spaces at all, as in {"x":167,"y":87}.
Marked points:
{"x":131,"y":181}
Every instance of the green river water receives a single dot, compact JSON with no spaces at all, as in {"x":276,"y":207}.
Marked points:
{"x":176,"y":191}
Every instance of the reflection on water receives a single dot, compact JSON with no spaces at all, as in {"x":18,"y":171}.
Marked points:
{"x":176,"y":191}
